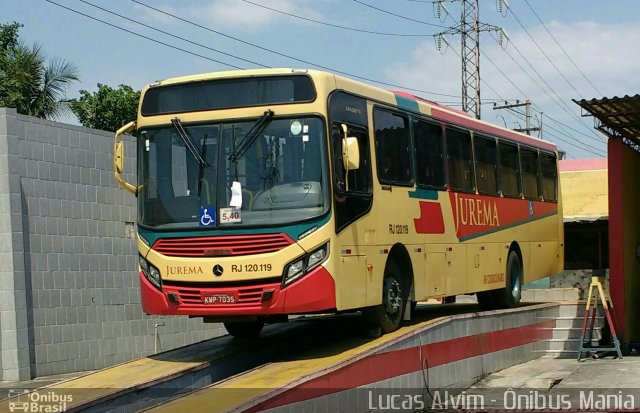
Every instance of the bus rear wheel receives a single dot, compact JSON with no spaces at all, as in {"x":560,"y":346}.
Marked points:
{"x":244,"y":330}
{"x":510,"y":295}
{"x":388,"y":315}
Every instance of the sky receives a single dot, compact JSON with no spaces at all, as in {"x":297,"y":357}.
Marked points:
{"x":557,"y":50}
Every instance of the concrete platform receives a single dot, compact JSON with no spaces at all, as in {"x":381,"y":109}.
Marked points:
{"x":443,"y":353}
{"x":603,"y":385}
{"x":135,"y":385}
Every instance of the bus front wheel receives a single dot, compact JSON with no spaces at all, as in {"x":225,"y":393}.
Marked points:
{"x":388,"y":315}
{"x":510,"y":295}
{"x":244,"y":330}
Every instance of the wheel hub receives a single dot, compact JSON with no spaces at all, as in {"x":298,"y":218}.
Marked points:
{"x":392,"y":295}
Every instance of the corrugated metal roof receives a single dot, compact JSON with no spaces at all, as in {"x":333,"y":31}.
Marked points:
{"x":617,"y":117}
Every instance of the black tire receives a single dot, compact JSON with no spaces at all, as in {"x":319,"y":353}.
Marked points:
{"x":244,"y":330}
{"x":510,"y":295}
{"x":513,"y":290}
{"x":388,"y":315}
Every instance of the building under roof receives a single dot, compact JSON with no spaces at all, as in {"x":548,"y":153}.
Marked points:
{"x":585,"y":191}
{"x":619,"y":119}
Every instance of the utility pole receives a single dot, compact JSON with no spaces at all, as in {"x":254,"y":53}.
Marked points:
{"x":527,"y":115}
{"x":469,"y":29}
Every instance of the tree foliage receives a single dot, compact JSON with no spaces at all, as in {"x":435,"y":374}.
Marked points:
{"x":29,"y":83}
{"x":108,"y":108}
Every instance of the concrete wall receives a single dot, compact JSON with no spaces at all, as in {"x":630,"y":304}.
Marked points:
{"x":69,"y":295}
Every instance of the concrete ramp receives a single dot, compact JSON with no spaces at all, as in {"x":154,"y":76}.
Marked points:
{"x":449,"y":352}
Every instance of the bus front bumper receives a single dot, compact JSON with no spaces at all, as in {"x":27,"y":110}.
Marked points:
{"x":313,"y":293}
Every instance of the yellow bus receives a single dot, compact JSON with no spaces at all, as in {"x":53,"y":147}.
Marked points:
{"x":272,"y":192}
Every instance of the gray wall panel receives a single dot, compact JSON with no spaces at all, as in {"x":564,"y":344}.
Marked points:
{"x":68,"y":271}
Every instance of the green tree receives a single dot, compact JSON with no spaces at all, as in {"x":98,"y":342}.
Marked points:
{"x":108,"y":108}
{"x":27,"y":82}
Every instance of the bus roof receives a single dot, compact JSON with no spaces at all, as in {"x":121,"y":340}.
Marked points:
{"x":400,"y":99}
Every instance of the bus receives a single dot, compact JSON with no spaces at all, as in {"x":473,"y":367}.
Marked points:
{"x":276,"y":192}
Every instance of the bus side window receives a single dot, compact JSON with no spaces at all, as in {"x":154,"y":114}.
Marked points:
{"x":429,"y":154}
{"x":486,"y":155}
{"x":529,"y":164}
{"x":392,"y":148}
{"x":549,"y":172}
{"x":509,"y":170}
{"x":460,"y":160}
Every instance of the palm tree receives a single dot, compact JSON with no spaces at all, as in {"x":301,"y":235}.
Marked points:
{"x":50,"y":100}
{"x":20,"y":76}
{"x":29,"y":85}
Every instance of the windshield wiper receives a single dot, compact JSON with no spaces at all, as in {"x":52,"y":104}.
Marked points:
{"x":188,"y":142}
{"x":251,"y":136}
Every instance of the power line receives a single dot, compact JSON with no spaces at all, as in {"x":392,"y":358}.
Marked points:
{"x":520,"y":90}
{"x":568,"y":127}
{"x":558,"y":101}
{"x":599,"y":153}
{"x":398,"y":15}
{"x":583,"y":146}
{"x":522,"y":114}
{"x":143,"y":36}
{"x":563,"y":51}
{"x":504,"y":75}
{"x":172,"y":35}
{"x":336,"y":25}
{"x":544,"y":53}
{"x":289,"y":56}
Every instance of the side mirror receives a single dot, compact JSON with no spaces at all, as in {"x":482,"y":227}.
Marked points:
{"x":350,"y":154}
{"x":350,"y":151}
{"x":118,"y":158}
{"x":118,"y":153}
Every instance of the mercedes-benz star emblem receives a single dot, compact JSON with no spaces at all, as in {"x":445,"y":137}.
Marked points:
{"x":218,"y":270}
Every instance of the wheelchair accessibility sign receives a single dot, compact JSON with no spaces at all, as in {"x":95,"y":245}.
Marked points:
{"x":207,"y":217}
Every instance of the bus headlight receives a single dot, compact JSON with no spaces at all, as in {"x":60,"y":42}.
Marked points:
{"x":304,"y":264}
{"x":150,"y":272}
{"x":317,"y":257}
{"x":295,"y":270}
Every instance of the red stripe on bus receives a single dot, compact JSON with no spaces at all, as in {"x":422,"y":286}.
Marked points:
{"x":490,"y":129}
{"x":383,"y":366}
{"x":431,"y":220}
{"x":474,"y":214}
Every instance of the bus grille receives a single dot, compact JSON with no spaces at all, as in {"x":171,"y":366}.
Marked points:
{"x":246,"y":295}
{"x":222,"y":246}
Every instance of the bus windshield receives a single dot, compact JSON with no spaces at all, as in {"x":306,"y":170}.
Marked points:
{"x":276,"y":178}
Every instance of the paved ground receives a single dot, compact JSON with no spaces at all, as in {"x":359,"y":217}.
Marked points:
{"x":546,"y":383}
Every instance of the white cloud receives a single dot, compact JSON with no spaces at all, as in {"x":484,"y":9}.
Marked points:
{"x":149,"y":15}
{"x":607,"y":54}
{"x":249,"y":17}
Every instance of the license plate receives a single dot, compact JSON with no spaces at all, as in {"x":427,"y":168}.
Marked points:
{"x":219,"y":298}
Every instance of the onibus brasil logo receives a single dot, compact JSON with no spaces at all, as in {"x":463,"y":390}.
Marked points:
{"x":38,"y":401}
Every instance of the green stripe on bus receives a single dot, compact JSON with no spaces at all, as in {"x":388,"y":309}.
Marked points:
{"x":421,"y":193}
{"x":407,"y":104}
{"x":292,"y":231}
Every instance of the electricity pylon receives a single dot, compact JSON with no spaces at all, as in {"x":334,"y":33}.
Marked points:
{"x":469,"y":29}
